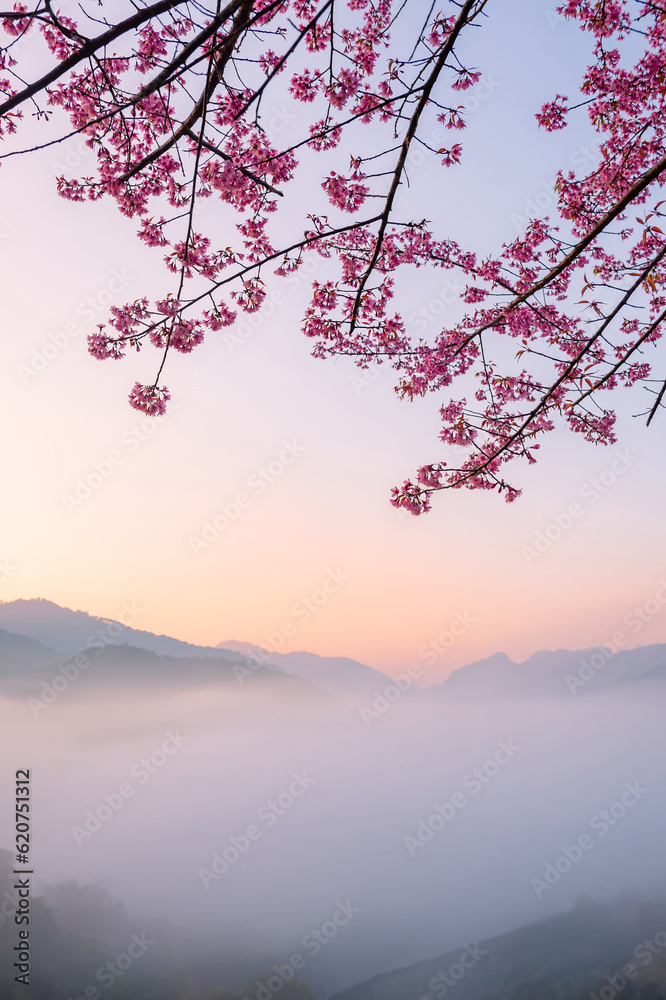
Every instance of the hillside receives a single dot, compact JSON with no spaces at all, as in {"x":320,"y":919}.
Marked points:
{"x":123,"y":667}
{"x":557,"y":673}
{"x":333,"y":674}
{"x":565,"y":956}
{"x":20,"y":653}
{"x":71,"y":631}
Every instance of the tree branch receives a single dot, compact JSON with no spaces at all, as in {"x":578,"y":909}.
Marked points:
{"x":87,"y":50}
{"x":411,"y":130}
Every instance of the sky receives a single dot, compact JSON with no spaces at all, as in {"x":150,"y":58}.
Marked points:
{"x":257,"y":509}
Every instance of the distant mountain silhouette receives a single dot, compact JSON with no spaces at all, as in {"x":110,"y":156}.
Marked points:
{"x":556,"y":673}
{"x":70,"y":631}
{"x":18,"y":652}
{"x":333,"y":674}
{"x":125,"y":667}
{"x":36,"y":634}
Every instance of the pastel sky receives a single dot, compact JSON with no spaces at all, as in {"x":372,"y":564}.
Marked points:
{"x":331,"y":439}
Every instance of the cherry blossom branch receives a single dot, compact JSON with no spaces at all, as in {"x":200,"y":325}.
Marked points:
{"x":100,"y":42}
{"x":447,"y":48}
{"x":534,"y":289}
{"x":258,"y":93}
{"x":223,"y":54}
{"x":621,"y":363}
{"x":657,"y":404}
{"x":237,"y":166}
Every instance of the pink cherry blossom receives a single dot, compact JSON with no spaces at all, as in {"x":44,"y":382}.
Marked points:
{"x":191,"y":136}
{"x":149,"y":399}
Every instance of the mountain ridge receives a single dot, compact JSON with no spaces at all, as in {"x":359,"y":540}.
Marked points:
{"x":103,"y":668}
{"x":37,"y":632}
{"x":552,"y":672}
{"x":574,"y":951}
{"x":333,"y":674}
{"x":69,"y":631}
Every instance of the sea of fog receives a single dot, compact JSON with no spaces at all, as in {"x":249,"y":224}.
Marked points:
{"x":266,"y":823}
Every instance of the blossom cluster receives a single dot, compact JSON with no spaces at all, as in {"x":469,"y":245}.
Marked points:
{"x":172,"y":107}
